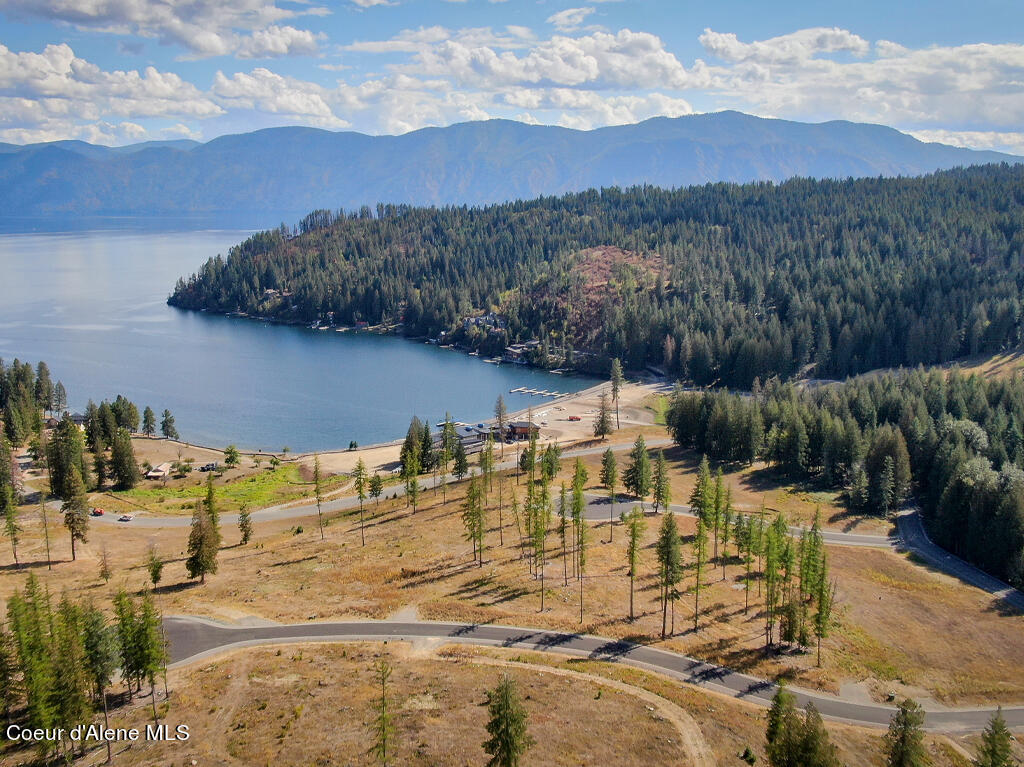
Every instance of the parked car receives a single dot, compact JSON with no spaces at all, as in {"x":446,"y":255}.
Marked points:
{"x":575,"y":418}
{"x":97,"y":512}
{"x":125,"y":518}
{"x":208,"y":467}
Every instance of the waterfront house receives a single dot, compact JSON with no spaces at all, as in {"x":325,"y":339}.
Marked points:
{"x":522,"y":429}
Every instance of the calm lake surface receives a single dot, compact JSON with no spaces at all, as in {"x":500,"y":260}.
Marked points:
{"x":92,"y":305}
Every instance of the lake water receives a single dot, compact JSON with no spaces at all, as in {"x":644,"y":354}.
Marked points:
{"x":92,"y":305}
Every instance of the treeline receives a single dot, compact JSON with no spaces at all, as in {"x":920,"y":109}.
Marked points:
{"x":57,"y":661}
{"x":25,"y":393}
{"x":752,"y":281}
{"x":956,"y":439}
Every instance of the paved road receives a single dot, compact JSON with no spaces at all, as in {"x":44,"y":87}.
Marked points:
{"x":192,"y":639}
{"x":915,"y":539}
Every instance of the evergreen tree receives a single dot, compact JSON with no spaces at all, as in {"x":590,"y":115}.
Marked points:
{"x":825,"y":598}
{"x":360,"y":480}
{"x":244,"y":524}
{"x":148,"y":422}
{"x":167,"y":425}
{"x":609,"y":478}
{"x":904,"y":743}
{"x":996,"y":748}
{"x":376,"y":488}
{"x":603,"y":421}
{"x":101,"y":658}
{"x":700,"y":558}
{"x":635,"y":527}
{"x":383,"y":727}
{"x":617,"y":382}
{"x":637,"y":477}
{"x":661,"y":486}
{"x":204,"y":538}
{"x":318,"y":491}
{"x":412,"y":481}
{"x":670,"y":566}
{"x":472,"y":518}
{"x":122,"y":460}
{"x":10,"y":513}
{"x":539,"y":516}
{"x":151,"y":646}
{"x":500,"y":418}
{"x":76,"y":510}
{"x":507,"y":727}
{"x":154,"y":564}
{"x":105,"y":571}
{"x":461,"y":465}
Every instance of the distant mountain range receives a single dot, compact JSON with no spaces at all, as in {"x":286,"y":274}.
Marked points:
{"x":279,"y":174}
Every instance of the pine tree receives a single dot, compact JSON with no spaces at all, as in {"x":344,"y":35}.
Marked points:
{"x":617,"y":381}
{"x":412,"y":479}
{"x":825,"y":598}
{"x":123,"y":467}
{"x":661,"y":486}
{"x":383,"y":727}
{"x":359,"y":477}
{"x":76,"y":510}
{"x":10,"y":513}
{"x":101,"y":657}
{"x":717,"y":508}
{"x":996,"y":748}
{"x":539,"y":514}
{"x":129,"y":646}
{"x":376,"y":488}
{"x":72,"y":688}
{"x":581,"y":553}
{"x":578,"y":506}
{"x":472,"y":517}
{"x":727,"y":529}
{"x":635,"y":527}
{"x":152,"y":648}
{"x":148,"y":421}
{"x":563,"y":532}
{"x":637,"y":477}
{"x":700,"y":558}
{"x":904,"y":743}
{"x":204,"y":538}
{"x":609,"y":478}
{"x":500,"y":417}
{"x":154,"y":564}
{"x":105,"y":571}
{"x":244,"y":524}
{"x":670,"y":565}
{"x":507,"y":726}
{"x":318,"y":490}
{"x":167,"y":425}
{"x":603,"y":421}
{"x":461,"y":467}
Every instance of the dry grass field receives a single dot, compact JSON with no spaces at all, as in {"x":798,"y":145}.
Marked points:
{"x":313,"y":704}
{"x":901,"y":628}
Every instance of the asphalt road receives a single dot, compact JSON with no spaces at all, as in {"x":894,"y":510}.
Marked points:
{"x":192,"y":639}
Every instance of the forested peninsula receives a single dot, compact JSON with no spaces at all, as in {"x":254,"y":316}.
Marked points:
{"x":719,"y":284}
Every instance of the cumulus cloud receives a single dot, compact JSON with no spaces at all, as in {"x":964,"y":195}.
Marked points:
{"x":203,"y":27}
{"x":267,"y":91}
{"x":969,"y":86}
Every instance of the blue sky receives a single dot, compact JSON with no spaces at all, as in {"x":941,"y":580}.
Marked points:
{"x":121,"y":71}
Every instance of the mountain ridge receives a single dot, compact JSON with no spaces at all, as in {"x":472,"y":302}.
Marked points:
{"x":288,"y":171}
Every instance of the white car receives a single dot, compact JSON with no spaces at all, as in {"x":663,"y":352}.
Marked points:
{"x":125,"y":518}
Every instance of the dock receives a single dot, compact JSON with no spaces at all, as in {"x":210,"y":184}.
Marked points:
{"x":537,"y":392}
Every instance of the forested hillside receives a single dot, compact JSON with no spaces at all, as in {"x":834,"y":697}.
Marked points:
{"x":957,"y":440}
{"x":721,"y":283}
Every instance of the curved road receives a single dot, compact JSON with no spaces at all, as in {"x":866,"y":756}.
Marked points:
{"x":192,"y":639}
{"x":911,"y":535}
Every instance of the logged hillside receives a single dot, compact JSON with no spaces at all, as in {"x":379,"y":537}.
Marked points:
{"x":281,"y":173}
{"x":721,"y":283}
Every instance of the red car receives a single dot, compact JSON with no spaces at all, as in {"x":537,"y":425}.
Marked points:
{"x":97,"y":512}
{"x":575,"y":418}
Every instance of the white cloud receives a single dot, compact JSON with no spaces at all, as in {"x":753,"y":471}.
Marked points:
{"x":635,"y":60}
{"x":266,"y":91}
{"x":569,"y":19}
{"x":1000,"y":141}
{"x":794,"y":47}
{"x":969,"y":87}
{"x":202,"y":27}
